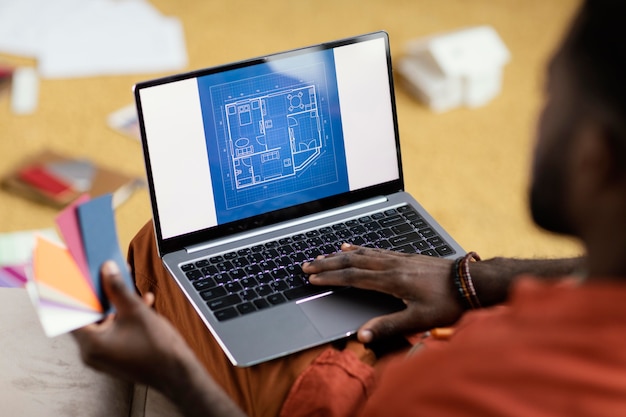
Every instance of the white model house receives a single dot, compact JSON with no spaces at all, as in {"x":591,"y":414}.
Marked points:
{"x":461,"y":68}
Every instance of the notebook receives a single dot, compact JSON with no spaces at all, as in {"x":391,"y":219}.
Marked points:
{"x":257,"y":166}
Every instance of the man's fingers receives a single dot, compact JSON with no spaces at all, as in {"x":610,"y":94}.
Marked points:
{"x":386,"y":326}
{"x":115,"y":289}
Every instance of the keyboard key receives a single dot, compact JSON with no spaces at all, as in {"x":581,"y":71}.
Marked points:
{"x":286,"y":249}
{"x":383,"y":244}
{"x":300,"y":246}
{"x":209,"y":271}
{"x":246,"y":308}
{"x":391,"y":221}
{"x":219,"y":303}
{"x":202,"y":263}
{"x":436,"y":241}
{"x":265,"y":278}
{"x":261,"y":303}
{"x":244,"y":252}
{"x":233,"y":287}
{"x":240,"y":262}
{"x":264,"y":290}
{"x":248,"y":295}
{"x":230,"y":256}
{"x":371,"y":226}
{"x":256,"y":258}
{"x":253,"y":269}
{"x":304,"y":291}
{"x":428,"y":232}
{"x":222,"y":279}
{"x":299,"y":236}
{"x":378,"y":216}
{"x":213,"y":293}
{"x":298,"y":257}
{"x":279,"y":286}
{"x":282,"y":261}
{"x":444,"y":250}
{"x":225,"y":314}
{"x":204,"y":284}
{"x":216,"y":259}
{"x":352,"y":223}
{"x":405,"y":249}
{"x":187,"y":267}
{"x":421,"y":245}
{"x":430,"y":252}
{"x":194,"y":274}
{"x":238,"y":274}
{"x":280,"y":273}
{"x":419,"y":224}
{"x":404,"y":239}
{"x":268,"y":265}
{"x":358,"y":230}
{"x":344,"y":234}
{"x":276,"y":299}
{"x":295,"y":282}
{"x":401,"y":228}
{"x":248,"y":282}
{"x":224,"y":266}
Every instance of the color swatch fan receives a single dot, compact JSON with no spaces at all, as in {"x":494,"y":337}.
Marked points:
{"x":64,"y":283}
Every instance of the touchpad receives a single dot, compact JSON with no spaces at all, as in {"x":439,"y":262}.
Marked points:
{"x":344,"y":311}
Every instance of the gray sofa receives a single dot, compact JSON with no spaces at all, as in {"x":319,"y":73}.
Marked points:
{"x":41,"y":376}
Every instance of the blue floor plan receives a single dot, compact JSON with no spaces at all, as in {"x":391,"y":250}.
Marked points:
{"x":273,"y":136}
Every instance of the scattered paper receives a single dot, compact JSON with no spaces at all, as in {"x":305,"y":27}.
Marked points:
{"x":78,"y":38}
{"x":125,"y":121}
{"x":16,"y":248}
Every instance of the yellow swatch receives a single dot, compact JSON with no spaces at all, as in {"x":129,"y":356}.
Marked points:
{"x":54,"y":267}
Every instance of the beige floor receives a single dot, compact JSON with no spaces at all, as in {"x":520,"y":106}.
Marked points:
{"x":468,"y":167}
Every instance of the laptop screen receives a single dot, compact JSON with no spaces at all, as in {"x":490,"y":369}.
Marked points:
{"x":261,"y":136}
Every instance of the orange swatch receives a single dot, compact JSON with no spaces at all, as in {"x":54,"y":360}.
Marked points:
{"x":54,"y":267}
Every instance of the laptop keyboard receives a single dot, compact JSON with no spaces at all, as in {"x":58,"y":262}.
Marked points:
{"x":258,"y":277}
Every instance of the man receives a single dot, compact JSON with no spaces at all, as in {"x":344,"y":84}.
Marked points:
{"x":556,"y":348}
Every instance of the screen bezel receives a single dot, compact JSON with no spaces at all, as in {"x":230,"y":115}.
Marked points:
{"x":167,"y":245}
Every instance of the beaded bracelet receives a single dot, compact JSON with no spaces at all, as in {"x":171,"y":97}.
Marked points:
{"x":463,"y":280}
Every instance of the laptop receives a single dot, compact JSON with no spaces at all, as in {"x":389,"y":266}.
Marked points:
{"x":257,"y":166}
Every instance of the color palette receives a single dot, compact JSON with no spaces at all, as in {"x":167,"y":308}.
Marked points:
{"x":64,"y":281}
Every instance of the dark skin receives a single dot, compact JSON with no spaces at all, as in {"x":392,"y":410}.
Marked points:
{"x":581,"y":192}
{"x":423,"y":283}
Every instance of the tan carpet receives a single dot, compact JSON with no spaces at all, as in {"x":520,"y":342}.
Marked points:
{"x":468,"y":167}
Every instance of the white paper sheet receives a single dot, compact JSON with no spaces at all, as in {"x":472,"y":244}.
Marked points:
{"x":82,"y":38}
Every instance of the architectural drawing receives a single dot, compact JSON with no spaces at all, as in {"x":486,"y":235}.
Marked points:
{"x":272,"y":136}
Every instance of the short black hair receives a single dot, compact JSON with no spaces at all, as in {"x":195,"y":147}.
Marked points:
{"x":594,"y":53}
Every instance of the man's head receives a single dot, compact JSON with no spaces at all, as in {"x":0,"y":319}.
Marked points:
{"x":581,"y":148}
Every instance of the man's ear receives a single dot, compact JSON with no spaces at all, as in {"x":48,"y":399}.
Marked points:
{"x":590,"y":157}
{"x":616,"y":143}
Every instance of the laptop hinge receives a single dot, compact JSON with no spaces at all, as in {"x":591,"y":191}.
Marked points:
{"x":284,"y":225}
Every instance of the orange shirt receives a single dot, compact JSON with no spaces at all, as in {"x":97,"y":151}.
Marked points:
{"x":554,"y":350}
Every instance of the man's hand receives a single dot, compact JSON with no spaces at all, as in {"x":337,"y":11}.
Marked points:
{"x":422,"y":282}
{"x":135,"y":343}
{"x":139,"y":345}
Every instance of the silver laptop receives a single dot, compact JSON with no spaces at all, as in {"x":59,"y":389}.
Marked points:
{"x":257,"y":166}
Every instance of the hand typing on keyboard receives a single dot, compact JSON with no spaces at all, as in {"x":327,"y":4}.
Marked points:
{"x":422,"y":282}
